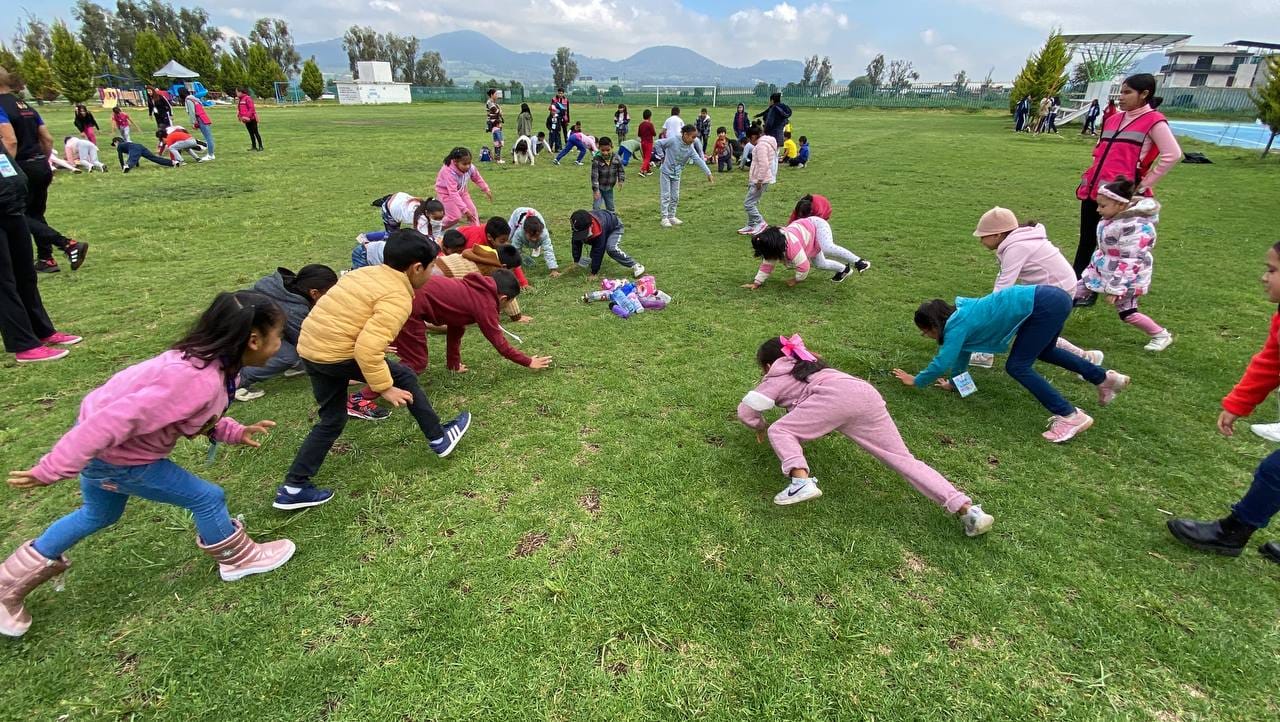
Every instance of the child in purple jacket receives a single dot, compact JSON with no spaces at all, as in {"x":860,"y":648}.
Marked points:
{"x":818,"y":400}
{"x":121,"y":442}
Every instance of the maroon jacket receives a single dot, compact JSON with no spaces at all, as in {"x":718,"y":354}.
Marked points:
{"x":454,"y":303}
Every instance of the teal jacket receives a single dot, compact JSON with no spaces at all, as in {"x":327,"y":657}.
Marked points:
{"x":979,"y":325}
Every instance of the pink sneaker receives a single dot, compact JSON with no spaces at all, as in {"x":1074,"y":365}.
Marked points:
{"x":1065,"y":428}
{"x":61,"y":339}
{"x":1107,"y":390}
{"x":40,"y":353}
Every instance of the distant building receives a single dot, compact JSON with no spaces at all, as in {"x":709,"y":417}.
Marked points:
{"x":1235,"y":65}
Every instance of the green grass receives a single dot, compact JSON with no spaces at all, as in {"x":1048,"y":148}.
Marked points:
{"x":685,"y":593}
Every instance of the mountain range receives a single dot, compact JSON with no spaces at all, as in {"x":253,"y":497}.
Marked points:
{"x":469,"y":56}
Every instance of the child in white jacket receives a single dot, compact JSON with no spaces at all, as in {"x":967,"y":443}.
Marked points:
{"x":763,"y":149}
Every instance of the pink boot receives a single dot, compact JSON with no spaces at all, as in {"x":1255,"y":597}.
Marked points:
{"x":23,"y":571}
{"x":238,"y":556}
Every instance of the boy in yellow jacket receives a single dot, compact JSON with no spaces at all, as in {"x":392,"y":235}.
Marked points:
{"x":345,"y":337}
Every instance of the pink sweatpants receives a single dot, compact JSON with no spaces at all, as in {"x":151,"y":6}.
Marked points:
{"x":854,"y":408}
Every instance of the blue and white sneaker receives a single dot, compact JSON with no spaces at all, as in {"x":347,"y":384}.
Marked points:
{"x":291,"y":498}
{"x":797,"y":491}
{"x":453,"y":433}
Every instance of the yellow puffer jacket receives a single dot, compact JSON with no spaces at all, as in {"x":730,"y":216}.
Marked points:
{"x":356,"y":319}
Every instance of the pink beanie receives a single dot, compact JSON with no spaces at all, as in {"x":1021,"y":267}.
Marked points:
{"x":996,"y":220}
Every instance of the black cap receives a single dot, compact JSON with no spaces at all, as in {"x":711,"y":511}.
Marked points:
{"x":580,"y":221}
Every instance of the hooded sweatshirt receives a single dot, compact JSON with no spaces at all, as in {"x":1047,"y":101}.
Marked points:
{"x":779,"y":388}
{"x":138,"y":416}
{"x":1123,"y":261}
{"x":820,"y":207}
{"x":979,"y":325}
{"x":458,"y":303}
{"x":1027,"y":257}
{"x":801,"y":246}
{"x":295,"y":307}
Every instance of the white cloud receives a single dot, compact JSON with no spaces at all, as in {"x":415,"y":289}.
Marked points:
{"x":929,"y":36}
{"x":384,"y":5}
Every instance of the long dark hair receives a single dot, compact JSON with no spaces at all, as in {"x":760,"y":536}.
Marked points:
{"x":222,"y":331}
{"x":770,"y":244}
{"x":313,"y":277}
{"x":804,"y":206}
{"x":456,"y":154}
{"x":430,"y":205}
{"x":1145,"y":83}
{"x":771,"y":350}
{"x":933,"y":315}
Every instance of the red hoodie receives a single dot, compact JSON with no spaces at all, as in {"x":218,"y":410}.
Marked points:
{"x":1260,"y":379}
{"x":454,"y":303}
{"x":821,"y":208}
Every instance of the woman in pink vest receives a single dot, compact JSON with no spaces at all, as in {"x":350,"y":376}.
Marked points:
{"x":247,"y":113}
{"x":1136,"y":143}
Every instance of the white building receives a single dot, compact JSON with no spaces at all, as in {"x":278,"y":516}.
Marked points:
{"x":1235,"y":65}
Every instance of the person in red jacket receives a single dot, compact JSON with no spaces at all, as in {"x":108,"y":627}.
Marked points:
{"x":1230,"y":534}
{"x":456,"y":303}
{"x":646,"y":133}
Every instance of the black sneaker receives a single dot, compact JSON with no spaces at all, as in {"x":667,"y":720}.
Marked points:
{"x":47,"y":266}
{"x":1086,"y":301}
{"x":842,"y":274}
{"x":76,"y":251}
{"x":453,"y":433}
{"x":358,"y":407}
{"x":1271,"y":550}
{"x":1212,"y":536}
{"x":305,"y":496}
{"x":862,"y":265}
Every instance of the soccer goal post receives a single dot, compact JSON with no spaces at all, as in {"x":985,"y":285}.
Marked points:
{"x":681,"y":93}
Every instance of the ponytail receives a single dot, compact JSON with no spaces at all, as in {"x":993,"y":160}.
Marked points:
{"x":1145,"y":83}
{"x":456,"y":154}
{"x":222,"y":331}
{"x":314,"y":277}
{"x":426,"y":207}
{"x":771,"y":350}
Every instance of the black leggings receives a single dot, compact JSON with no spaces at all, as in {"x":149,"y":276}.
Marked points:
{"x":1088,"y":235}
{"x":23,"y":321}
{"x":39,"y":176}
{"x":254,"y":137}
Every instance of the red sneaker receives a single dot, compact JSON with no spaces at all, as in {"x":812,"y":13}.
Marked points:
{"x":40,"y":353}
{"x":61,"y":339}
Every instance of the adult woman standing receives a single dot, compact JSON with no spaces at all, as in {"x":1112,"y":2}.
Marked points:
{"x":247,"y":112}
{"x":199,"y":118}
{"x":29,"y":144}
{"x":1135,"y":142}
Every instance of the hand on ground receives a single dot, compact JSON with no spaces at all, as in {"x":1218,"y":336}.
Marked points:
{"x":540,"y":362}
{"x":554,"y":274}
{"x":462,"y":369}
{"x":253,"y":430}
{"x":906,"y":378}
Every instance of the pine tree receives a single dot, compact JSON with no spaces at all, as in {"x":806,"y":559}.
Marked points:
{"x":198,"y":56}
{"x":1267,"y":98}
{"x":1045,"y":73}
{"x":263,"y":72}
{"x":8,"y":60}
{"x":312,"y":81}
{"x":72,"y":65}
{"x":149,"y":55}
{"x":231,"y":74}
{"x":38,"y":75}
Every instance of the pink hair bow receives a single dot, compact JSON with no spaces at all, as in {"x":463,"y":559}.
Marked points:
{"x":794,"y":347}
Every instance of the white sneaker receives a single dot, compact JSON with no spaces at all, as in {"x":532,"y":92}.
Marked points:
{"x":746,"y":230}
{"x":637,"y":270}
{"x":797,"y":491}
{"x":976,"y":521}
{"x":1160,"y":341}
{"x":211,"y":156}
{"x":676,"y":221}
{"x":666,"y":223}
{"x":501,"y":161}
{"x":1270,"y":432}
{"x":249,"y":394}
{"x":201,"y":160}
{"x":1094,"y":357}
{"x":982,"y":360}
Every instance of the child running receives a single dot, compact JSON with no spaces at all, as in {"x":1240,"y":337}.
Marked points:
{"x":676,"y":152}
{"x":818,"y":400}
{"x":530,"y":236}
{"x":345,"y":337}
{"x":453,"y":191}
{"x":121,"y":122}
{"x":1029,"y":316}
{"x":606,"y":174}
{"x":122,"y":439}
{"x":1121,"y":266}
{"x":601,"y":231}
{"x":1259,"y":505}
{"x":759,"y":179}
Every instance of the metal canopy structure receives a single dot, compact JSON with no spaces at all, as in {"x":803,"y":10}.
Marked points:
{"x":1254,"y":45}
{"x":1106,"y":55}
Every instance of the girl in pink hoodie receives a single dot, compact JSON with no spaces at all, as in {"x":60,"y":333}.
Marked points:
{"x":799,"y":245}
{"x":818,"y":400}
{"x":123,"y":437}
{"x":452,"y":189}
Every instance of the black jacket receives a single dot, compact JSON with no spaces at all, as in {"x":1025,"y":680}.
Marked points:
{"x":775,"y":119}
{"x":295,"y":307}
{"x":13,"y":186}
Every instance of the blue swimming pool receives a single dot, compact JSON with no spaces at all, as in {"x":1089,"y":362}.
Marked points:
{"x":1240,"y":135}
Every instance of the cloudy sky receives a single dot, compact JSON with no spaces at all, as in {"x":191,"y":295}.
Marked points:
{"x":939,"y":36}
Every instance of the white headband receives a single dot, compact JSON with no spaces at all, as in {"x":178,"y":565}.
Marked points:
{"x":1103,"y":191}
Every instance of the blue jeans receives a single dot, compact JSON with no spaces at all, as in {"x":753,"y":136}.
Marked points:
{"x":1262,"y":500}
{"x":573,"y":142}
{"x":606,"y":200}
{"x":625,"y":155}
{"x":106,"y":488}
{"x":1037,"y":339}
{"x":207,"y":132}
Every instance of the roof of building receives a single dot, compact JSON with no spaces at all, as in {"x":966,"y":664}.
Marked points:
{"x":1144,"y":39}
{"x":1206,"y":50}
{"x":1255,"y":44}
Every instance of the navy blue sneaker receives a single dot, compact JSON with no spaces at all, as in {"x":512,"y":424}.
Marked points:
{"x":453,"y":432}
{"x":304,"y":497}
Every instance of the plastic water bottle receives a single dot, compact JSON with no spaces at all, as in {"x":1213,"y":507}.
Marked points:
{"x":662,"y":296}
{"x":633,"y":303}
{"x":619,"y":311}
{"x":595,"y":296}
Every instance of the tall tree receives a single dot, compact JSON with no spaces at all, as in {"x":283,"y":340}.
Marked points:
{"x":1267,"y":99}
{"x":33,"y":33}
{"x":429,"y":71}
{"x":822,"y":81}
{"x":161,"y":17}
{"x":1044,"y":74}
{"x":199,"y":57}
{"x":72,"y":65}
{"x":875,"y":71}
{"x":264,"y":72}
{"x":273,"y":35}
{"x":402,"y":51}
{"x":8,"y":60}
{"x":95,"y":28}
{"x":564,"y":69}
{"x":312,"y":82}
{"x":194,"y":23}
{"x":902,"y":74}
{"x":961,"y":83}
{"x":239,"y":47}
{"x":810,"y":68}
{"x":173,"y":46}
{"x":231,"y":74}
{"x":149,"y":55}
{"x":362,"y":43}
{"x":38,"y":75}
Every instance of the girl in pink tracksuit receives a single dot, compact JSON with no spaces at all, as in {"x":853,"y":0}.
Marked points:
{"x":121,"y":442}
{"x":799,"y":245}
{"x":818,"y":400}
{"x":452,"y":189}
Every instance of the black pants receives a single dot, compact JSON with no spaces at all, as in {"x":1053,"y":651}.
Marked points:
{"x":39,"y":177}
{"x":1088,"y":235}
{"x":254,"y":137}
{"x":23,"y":321}
{"x":329,"y":385}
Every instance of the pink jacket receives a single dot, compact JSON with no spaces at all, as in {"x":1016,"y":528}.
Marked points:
{"x":245,"y":109}
{"x":802,"y":245}
{"x":762,"y":155}
{"x":453,"y":192}
{"x":1028,"y":258}
{"x":780,"y":388}
{"x":70,"y":151}
{"x":138,"y":416}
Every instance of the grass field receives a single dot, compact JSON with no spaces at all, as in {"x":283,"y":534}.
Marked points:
{"x":602,"y":545}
